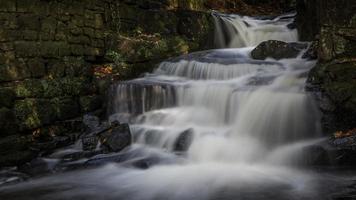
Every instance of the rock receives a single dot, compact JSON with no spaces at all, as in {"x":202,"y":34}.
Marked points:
{"x":117,"y":138}
{"x":90,"y":143}
{"x":184,"y":140}
{"x":336,"y":83}
{"x":308,"y":19}
{"x":91,"y":122}
{"x":38,"y":166}
{"x":277,"y":50}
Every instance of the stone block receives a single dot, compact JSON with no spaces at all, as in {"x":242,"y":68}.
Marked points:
{"x":7,"y":6}
{"x":7,"y":97}
{"x":29,"y":21}
{"x":14,"y":70}
{"x":90,"y":103}
{"x":27,"y":48}
{"x":8,"y":123}
{"x":37,"y":67}
{"x":65,"y":108}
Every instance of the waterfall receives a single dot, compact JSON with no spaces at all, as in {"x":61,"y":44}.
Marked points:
{"x":243,"y":122}
{"x":244,"y":114}
{"x":234,"y":31}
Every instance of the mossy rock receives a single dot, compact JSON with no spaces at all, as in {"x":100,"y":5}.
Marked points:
{"x":34,"y":113}
{"x":28,"y":88}
{"x":337,"y":82}
{"x":67,"y":86}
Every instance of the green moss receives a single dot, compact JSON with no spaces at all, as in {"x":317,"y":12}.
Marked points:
{"x":29,"y":88}
{"x":34,"y":113}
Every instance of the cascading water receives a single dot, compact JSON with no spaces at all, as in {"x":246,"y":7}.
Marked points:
{"x":247,"y":121}
{"x":234,"y":31}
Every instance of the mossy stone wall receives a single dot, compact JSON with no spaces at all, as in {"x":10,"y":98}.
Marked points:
{"x":332,"y":23}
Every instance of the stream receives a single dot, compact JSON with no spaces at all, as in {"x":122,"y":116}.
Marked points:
{"x":244,"y":124}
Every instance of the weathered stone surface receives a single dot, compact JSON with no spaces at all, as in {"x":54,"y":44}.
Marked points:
{"x":7,"y":97}
{"x":277,"y":50}
{"x":117,"y":138}
{"x":8,"y":123}
{"x":336,"y":81}
{"x":90,"y":103}
{"x":332,"y":23}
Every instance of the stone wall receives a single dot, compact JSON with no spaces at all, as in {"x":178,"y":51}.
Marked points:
{"x":45,"y":63}
{"x":50,"y":51}
{"x":333,"y":24}
{"x":46,"y":74}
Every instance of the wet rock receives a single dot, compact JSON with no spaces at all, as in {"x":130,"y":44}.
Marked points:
{"x":184,"y":140}
{"x":277,"y":50}
{"x":91,"y":122}
{"x":312,"y":51}
{"x":334,"y":86}
{"x":11,"y":176}
{"x":117,"y":138}
{"x":38,"y":166}
{"x":343,"y":149}
{"x":104,"y":159}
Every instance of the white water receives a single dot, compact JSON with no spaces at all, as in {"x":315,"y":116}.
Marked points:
{"x":251,"y":31}
{"x":249,"y":119}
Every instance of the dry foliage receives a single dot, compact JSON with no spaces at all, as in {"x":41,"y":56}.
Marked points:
{"x":341,"y":134}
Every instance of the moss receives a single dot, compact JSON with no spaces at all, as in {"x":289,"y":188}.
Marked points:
{"x":34,"y":113}
{"x":28,"y":88}
{"x":67,"y":86}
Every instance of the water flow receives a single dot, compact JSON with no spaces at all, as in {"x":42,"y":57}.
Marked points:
{"x":235,"y":31}
{"x":241,"y":122}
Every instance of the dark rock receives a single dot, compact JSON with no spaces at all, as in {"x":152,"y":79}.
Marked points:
{"x":184,"y":140}
{"x":104,"y":159}
{"x":91,"y":122}
{"x":335,"y":81}
{"x":90,"y":142}
{"x":308,"y":19}
{"x":277,"y":50}
{"x":38,"y":166}
{"x":312,"y":51}
{"x":11,"y":176}
{"x":117,"y":138}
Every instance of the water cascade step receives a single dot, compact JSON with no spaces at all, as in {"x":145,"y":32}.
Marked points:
{"x":210,"y":125}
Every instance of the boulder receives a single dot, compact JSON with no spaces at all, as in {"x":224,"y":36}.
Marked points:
{"x":277,"y":50}
{"x":116,"y":138}
{"x":184,"y":140}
